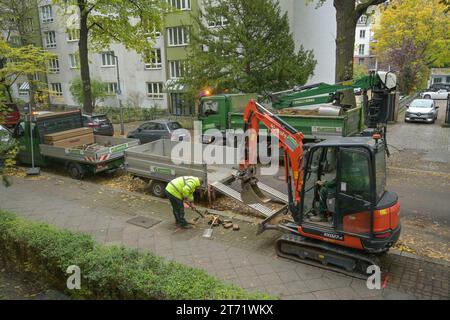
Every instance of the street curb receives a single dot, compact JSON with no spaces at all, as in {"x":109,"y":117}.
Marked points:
{"x":417,"y":257}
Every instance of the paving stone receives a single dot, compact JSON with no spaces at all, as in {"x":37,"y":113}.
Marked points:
{"x":262,"y":269}
{"x":326,"y":295}
{"x":316,"y":284}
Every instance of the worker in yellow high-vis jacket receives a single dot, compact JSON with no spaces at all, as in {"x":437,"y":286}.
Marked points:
{"x":178,"y":191}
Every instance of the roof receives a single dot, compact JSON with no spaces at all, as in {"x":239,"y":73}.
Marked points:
{"x":422,"y":101}
{"x":440,"y":71}
{"x":348,"y":142}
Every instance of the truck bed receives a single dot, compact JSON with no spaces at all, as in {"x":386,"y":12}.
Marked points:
{"x":159,"y":160}
{"x":115,"y":150}
{"x":315,"y":126}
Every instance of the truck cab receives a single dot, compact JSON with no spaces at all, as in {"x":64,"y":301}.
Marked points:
{"x":214,"y":110}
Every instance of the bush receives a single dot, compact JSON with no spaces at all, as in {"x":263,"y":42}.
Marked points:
{"x":108,"y":272}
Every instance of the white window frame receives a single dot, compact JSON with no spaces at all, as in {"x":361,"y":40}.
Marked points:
{"x":213,"y":24}
{"x":53,"y":65}
{"x":182,"y":5}
{"x":56,"y":88}
{"x":74,"y":58}
{"x":73,"y":35}
{"x":177,"y":36}
{"x":155,"y":90}
{"x":46,"y":13}
{"x":108,"y":59}
{"x":112,"y":88}
{"x":48,"y":36}
{"x":361,"y":49}
{"x":155,"y":60}
{"x":176,"y":69}
{"x":362,"y":34}
{"x":363,"y":19}
{"x":21,"y":93}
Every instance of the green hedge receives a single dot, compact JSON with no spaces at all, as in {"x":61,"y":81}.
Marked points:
{"x":107,"y":272}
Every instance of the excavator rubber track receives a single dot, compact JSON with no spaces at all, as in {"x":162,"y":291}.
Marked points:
{"x":324,"y":255}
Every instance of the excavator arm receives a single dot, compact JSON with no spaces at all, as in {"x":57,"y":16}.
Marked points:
{"x":290,"y":141}
{"x":327,"y":93}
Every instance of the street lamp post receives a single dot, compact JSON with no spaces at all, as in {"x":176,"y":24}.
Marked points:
{"x":119,"y":92}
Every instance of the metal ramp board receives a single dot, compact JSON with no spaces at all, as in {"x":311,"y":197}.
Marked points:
{"x":273,"y":192}
{"x":237,"y":196}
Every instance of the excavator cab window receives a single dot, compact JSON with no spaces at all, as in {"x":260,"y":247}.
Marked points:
{"x":354,"y":191}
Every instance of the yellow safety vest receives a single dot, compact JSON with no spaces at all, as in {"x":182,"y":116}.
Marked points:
{"x":183,"y":187}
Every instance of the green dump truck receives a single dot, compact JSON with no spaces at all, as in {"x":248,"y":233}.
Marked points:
{"x":100,"y":154}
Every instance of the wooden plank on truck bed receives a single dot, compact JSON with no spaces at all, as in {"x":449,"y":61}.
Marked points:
{"x":62,"y":135}
{"x":75,"y":141}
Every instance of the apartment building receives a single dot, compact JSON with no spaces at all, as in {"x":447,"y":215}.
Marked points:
{"x":364,"y":38}
{"x":315,"y":29}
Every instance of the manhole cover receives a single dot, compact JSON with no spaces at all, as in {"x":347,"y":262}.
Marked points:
{"x":144,"y":222}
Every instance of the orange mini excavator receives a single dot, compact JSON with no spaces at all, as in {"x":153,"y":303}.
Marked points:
{"x":343,"y":180}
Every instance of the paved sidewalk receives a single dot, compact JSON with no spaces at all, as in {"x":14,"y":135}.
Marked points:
{"x":238,"y":257}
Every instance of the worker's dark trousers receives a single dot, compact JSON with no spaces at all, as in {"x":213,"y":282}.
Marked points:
{"x":178,"y":209}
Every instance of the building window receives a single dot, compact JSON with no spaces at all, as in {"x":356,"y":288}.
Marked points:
{"x":112,"y":88}
{"x":53,"y":65}
{"x":29,"y":25}
{"x":179,"y":105}
{"x":155,"y":90}
{"x":21,"y":89}
{"x":447,"y":79}
{"x":177,"y":36}
{"x":437,"y":80}
{"x":15,"y":41}
{"x":176,"y":69}
{"x":108,"y":59}
{"x":363,"y":19}
{"x":155,"y":61}
{"x":74,"y":61}
{"x":361,"y":61}
{"x":50,"y":39}
{"x":56,"y":89}
{"x":73,"y":34}
{"x":180,"y":4}
{"x":361,"y":49}
{"x":220,"y":23}
{"x":362,"y":34}
{"x":46,"y":13}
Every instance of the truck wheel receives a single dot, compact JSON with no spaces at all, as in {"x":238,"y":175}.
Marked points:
{"x":75,"y":170}
{"x":427,"y":96}
{"x":158,"y":188}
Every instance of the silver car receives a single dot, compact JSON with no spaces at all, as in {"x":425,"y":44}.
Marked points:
{"x":423,"y":110}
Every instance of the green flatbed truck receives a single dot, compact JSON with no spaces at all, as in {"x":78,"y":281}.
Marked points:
{"x":107,"y":156}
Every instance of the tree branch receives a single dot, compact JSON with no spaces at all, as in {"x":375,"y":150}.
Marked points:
{"x":362,"y":7}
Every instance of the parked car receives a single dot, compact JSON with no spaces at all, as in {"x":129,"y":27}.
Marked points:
{"x":441,"y":94}
{"x":100,"y":123}
{"x":11,"y":116}
{"x":158,"y":129}
{"x":438,"y":86}
{"x":5,"y":138}
{"x":422,"y":110}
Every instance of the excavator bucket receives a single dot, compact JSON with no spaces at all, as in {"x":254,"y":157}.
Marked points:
{"x":252,"y":194}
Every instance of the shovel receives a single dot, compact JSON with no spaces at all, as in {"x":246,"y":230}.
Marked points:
{"x":196,"y":210}
{"x":208,"y":232}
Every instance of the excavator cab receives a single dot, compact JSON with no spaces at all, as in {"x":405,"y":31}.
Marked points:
{"x":350,"y":174}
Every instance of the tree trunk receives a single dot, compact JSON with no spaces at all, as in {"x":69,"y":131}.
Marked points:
{"x":84,"y":58}
{"x":346,"y":19}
